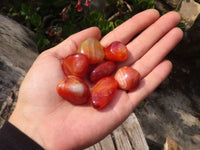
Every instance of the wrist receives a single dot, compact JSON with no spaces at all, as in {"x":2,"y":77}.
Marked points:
{"x":13,"y":138}
{"x":26,"y":126}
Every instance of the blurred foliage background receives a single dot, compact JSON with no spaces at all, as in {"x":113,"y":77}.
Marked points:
{"x":54,"y":20}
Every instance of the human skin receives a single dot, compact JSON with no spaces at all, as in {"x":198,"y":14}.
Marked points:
{"x":56,"y":124}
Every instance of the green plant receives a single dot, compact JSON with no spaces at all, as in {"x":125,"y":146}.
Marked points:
{"x":54,"y":21}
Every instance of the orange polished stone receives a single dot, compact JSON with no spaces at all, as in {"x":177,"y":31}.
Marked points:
{"x":116,"y":51}
{"x":74,"y":90}
{"x":127,"y":78}
{"x":93,"y":49}
{"x":103,"y":92}
{"x":102,"y":70}
{"x":76,"y":64}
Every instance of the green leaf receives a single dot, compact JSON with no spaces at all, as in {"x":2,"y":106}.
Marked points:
{"x":27,"y":17}
{"x":38,"y":39}
{"x":95,"y":15}
{"x":181,"y":25}
{"x":24,"y":9}
{"x":46,"y":42}
{"x":36,"y":20}
{"x":69,"y":29}
{"x":118,"y":22}
{"x":111,"y":26}
{"x":105,"y":26}
{"x":15,"y":14}
{"x":41,"y":41}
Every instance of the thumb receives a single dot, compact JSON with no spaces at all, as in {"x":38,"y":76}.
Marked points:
{"x":70,"y":45}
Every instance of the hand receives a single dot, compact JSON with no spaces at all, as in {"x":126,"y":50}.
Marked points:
{"x":56,"y":124}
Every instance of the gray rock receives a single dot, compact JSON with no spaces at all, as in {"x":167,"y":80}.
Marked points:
{"x":17,"y":53}
{"x":174,"y":108}
{"x":166,"y":5}
{"x":189,"y":11}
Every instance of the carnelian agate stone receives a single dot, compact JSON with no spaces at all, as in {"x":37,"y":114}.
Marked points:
{"x":103,"y":92}
{"x":127,"y":78}
{"x":116,"y":51}
{"x":74,"y":90}
{"x":102,"y":70}
{"x":92,"y":48}
{"x":76,"y":64}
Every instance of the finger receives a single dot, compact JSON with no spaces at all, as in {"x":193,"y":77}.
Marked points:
{"x":70,"y":45}
{"x":150,"y":83}
{"x":123,"y":104}
{"x":131,"y":27}
{"x":156,"y":54}
{"x":141,"y":44}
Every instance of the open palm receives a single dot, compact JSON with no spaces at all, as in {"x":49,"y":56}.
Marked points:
{"x":56,"y":124}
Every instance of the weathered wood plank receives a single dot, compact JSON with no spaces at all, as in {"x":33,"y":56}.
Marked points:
{"x":128,"y":136}
{"x":97,"y":146}
{"x":135,"y":133}
{"x":121,"y":138}
{"x":105,"y":144}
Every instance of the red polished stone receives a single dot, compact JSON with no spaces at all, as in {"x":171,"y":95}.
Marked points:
{"x":116,"y":51}
{"x":102,"y":70}
{"x":93,"y":49}
{"x":103,"y":92}
{"x":74,"y":90}
{"x":127,"y":78}
{"x":76,"y":64}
